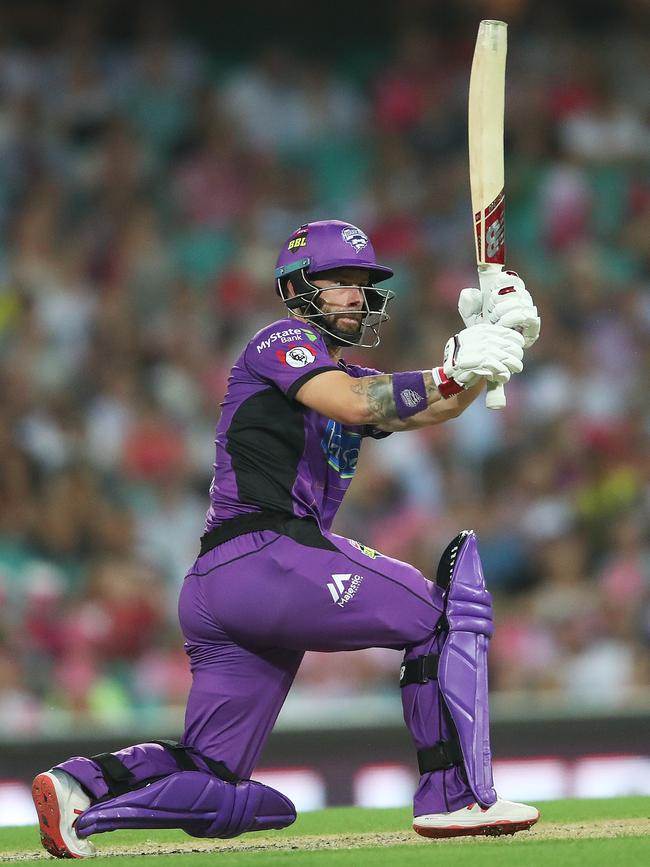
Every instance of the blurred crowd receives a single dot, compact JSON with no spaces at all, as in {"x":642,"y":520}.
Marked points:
{"x":145,"y":190}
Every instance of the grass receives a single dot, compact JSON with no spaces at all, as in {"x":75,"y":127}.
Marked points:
{"x":592,"y":847}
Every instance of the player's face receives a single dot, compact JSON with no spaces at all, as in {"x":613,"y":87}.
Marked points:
{"x":343,"y":293}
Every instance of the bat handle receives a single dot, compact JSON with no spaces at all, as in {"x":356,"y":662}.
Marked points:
{"x":495,"y":397}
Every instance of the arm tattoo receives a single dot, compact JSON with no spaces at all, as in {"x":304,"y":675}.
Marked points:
{"x":378,"y":392}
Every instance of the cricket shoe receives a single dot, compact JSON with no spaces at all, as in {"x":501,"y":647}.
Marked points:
{"x":59,"y":800}
{"x":503,"y":817}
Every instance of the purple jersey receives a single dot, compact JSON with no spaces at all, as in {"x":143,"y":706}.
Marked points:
{"x":274,"y":453}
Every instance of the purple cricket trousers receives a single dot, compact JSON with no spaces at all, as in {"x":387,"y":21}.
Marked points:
{"x":251,"y":607}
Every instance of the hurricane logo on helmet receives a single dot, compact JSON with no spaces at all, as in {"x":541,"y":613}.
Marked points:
{"x":355,"y":237}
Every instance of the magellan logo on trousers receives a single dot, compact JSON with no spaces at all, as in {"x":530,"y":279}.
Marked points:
{"x":340,"y":593}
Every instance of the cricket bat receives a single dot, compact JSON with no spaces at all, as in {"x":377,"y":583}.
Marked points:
{"x":486,"y":171}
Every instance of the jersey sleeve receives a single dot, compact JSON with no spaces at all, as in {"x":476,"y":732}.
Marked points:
{"x":287,"y":355}
{"x":356,"y":370}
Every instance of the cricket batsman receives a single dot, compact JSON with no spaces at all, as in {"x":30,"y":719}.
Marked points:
{"x":272,"y":581}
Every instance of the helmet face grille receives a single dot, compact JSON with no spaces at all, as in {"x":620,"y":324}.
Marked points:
{"x":305,"y":301}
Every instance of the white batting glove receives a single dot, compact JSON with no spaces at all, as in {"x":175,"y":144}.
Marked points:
{"x":470,"y":306}
{"x":509,"y":304}
{"x":490,"y":351}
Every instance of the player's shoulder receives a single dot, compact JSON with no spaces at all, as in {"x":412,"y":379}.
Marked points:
{"x":283,"y":333}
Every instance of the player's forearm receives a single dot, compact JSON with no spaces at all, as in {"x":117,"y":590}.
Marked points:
{"x":390,"y":401}
{"x":376,"y":402}
{"x":450,"y":408}
{"x":437,"y":412}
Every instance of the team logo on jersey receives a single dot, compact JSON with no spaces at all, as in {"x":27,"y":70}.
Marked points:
{"x":298,"y":356}
{"x":338,"y":590}
{"x":341,"y":448}
{"x":369,"y":552}
{"x":354,"y":237}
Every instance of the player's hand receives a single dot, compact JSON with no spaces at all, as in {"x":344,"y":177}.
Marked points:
{"x":509,"y":304}
{"x":490,"y":351}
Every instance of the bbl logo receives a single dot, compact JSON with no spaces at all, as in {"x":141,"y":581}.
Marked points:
{"x":299,"y":240}
{"x":296,"y":243}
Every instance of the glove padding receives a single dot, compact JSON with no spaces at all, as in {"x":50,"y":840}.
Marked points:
{"x":509,"y":304}
{"x":491,"y":351}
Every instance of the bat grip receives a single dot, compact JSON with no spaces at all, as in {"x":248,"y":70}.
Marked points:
{"x":495,"y":397}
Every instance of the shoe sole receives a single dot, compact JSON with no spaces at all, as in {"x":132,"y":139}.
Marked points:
{"x":49,"y":817}
{"x":497,"y":829}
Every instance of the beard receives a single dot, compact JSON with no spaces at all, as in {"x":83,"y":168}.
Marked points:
{"x":345,"y":325}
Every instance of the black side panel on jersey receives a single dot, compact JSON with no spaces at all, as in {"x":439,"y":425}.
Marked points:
{"x":265,"y":442}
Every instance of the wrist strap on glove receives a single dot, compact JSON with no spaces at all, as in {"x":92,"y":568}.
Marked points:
{"x":446,"y":386}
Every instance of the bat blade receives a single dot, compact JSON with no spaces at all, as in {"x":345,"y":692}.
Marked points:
{"x":485,"y":137}
{"x":486,"y":164}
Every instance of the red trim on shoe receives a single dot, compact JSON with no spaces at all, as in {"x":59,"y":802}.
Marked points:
{"x":49,"y":817}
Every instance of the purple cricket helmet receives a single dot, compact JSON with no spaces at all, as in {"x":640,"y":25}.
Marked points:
{"x":329,"y":244}
{"x":323,"y":246}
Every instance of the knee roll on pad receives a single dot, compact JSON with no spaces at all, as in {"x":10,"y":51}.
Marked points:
{"x":199,"y":803}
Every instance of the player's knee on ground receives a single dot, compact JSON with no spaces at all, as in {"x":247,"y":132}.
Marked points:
{"x":163,"y":784}
{"x":198,"y":803}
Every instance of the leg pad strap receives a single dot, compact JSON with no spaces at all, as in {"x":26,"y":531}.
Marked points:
{"x":420,"y":670}
{"x":185,"y":762}
{"x":440,"y":757}
{"x":119,"y":779}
